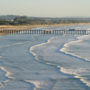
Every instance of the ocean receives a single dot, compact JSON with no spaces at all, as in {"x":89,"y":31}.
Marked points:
{"x":45,"y":62}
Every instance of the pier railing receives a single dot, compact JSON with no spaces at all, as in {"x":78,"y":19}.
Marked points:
{"x":59,"y":32}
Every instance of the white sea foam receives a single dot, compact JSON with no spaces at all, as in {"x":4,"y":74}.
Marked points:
{"x":73,"y":54}
{"x":8,"y":74}
{"x":79,"y":40}
{"x":38,"y":84}
{"x":76,"y":74}
{"x":35,"y":46}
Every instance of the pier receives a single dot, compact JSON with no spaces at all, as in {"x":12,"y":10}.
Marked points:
{"x":56,"y":32}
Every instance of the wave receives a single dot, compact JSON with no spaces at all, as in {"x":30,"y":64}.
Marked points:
{"x":37,"y":84}
{"x":71,"y":71}
{"x":77,"y":40}
{"x":74,"y":72}
{"x":35,"y":46}
{"x":8,"y":75}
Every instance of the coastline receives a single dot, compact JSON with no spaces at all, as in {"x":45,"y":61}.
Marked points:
{"x":36,"y":84}
{"x":26,"y":27}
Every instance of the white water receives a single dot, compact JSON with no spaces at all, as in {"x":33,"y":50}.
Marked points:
{"x":67,"y":64}
{"x":79,"y":47}
{"x":32,"y":62}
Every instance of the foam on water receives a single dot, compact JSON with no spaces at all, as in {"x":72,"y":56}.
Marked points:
{"x":21,"y":64}
{"x":8,"y":74}
{"x":65,"y":49}
{"x":28,"y":74}
{"x":77,"y":72}
{"x":79,"y":42}
{"x":35,"y":46}
{"x":36,"y":83}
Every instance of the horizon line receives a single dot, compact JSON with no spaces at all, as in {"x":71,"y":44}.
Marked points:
{"x":47,"y":16}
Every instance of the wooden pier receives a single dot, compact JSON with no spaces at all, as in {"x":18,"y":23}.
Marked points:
{"x":56,"y":32}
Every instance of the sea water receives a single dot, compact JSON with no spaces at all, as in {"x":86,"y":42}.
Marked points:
{"x":45,"y":62}
{"x":79,"y":47}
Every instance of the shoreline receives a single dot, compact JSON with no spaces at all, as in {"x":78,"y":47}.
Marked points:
{"x":16,"y":27}
{"x":25,"y":27}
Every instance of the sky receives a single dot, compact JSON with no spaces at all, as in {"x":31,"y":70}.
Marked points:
{"x":46,"y":8}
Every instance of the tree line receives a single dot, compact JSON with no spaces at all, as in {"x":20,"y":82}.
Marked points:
{"x":23,"y":20}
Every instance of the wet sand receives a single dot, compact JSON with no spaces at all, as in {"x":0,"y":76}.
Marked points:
{"x":26,"y":27}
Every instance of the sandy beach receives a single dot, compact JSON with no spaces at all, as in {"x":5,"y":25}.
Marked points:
{"x":25,"y":27}
{"x":28,"y":27}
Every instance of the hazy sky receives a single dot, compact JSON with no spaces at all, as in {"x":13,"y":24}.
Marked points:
{"x":45,"y":8}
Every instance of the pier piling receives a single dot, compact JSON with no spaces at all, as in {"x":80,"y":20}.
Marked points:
{"x":56,"y":32}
